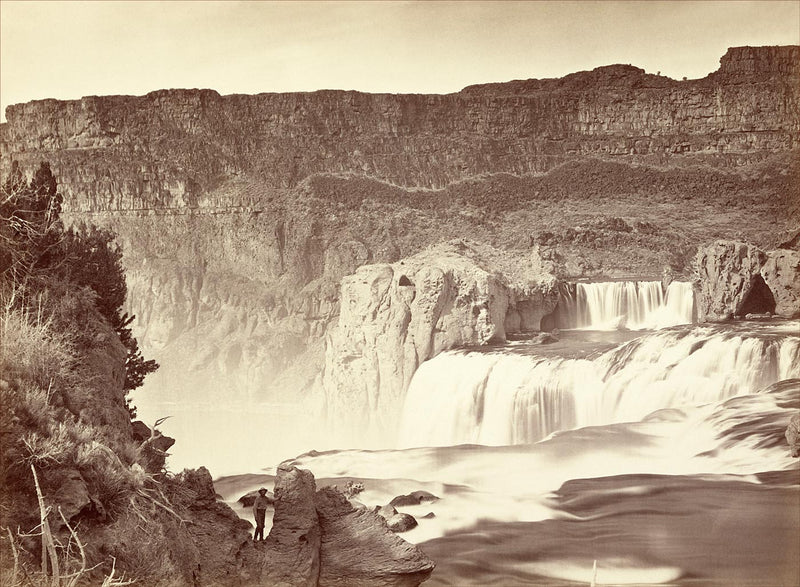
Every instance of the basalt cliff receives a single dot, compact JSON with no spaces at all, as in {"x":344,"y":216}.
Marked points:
{"x":173,"y":148}
{"x":240,"y":215}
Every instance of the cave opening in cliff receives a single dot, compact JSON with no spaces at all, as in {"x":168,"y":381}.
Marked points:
{"x":759,"y":300}
{"x":549,"y":321}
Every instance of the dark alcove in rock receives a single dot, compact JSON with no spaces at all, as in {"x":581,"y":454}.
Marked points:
{"x":549,"y":321}
{"x":759,"y":300}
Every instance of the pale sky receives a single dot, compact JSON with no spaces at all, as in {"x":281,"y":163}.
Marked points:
{"x":66,"y":50}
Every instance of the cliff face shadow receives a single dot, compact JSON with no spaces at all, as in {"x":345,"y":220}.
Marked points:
{"x":759,"y":300}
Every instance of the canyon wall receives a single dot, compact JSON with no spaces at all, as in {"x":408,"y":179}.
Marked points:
{"x":240,"y":215}
{"x":171,"y":148}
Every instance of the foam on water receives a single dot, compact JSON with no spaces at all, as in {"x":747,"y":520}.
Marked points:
{"x":499,"y":398}
{"x":514,"y":483}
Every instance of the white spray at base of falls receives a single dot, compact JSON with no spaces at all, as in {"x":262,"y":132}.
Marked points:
{"x":635,"y":305}
{"x":501,"y":398}
{"x":733,"y":440}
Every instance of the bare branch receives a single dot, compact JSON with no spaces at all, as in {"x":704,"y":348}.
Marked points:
{"x":74,"y":535}
{"x":48,"y":548}
{"x":160,"y":421}
{"x":110,"y":581}
{"x":15,"y":571}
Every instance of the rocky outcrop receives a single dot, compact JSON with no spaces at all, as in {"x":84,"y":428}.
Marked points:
{"x":394,"y":317}
{"x":319,"y":539}
{"x":759,"y":61}
{"x":359,"y":549}
{"x":736,"y":279}
{"x":152,"y":447}
{"x":726,"y":272}
{"x":203,"y":543}
{"x":781,"y":273}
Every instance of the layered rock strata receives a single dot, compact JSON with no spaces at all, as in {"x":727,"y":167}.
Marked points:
{"x":734,"y":279}
{"x":171,"y":148}
{"x":395,"y":316}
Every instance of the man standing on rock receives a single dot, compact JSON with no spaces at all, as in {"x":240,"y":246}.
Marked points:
{"x":259,"y":512}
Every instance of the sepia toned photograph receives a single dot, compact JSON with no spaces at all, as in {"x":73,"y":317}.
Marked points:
{"x":395,"y":293}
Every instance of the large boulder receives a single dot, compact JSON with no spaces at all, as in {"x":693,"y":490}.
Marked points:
{"x":414,"y":498}
{"x":781,"y":273}
{"x":385,"y":511}
{"x":153,"y":447}
{"x":725,"y":271}
{"x":319,"y":539}
{"x":396,"y":316}
{"x":358,"y":548}
{"x":70,"y":495}
{"x":401,"y":522}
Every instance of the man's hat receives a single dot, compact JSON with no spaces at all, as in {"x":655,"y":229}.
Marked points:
{"x":262,"y":490}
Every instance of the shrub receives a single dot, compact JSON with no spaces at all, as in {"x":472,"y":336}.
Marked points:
{"x":56,"y":267}
{"x":63,"y":409}
{"x":31,"y":347}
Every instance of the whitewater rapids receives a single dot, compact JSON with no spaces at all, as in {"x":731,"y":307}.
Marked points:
{"x":515,"y":395}
{"x":661,"y":455}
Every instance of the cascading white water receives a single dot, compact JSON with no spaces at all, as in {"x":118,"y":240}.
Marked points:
{"x":498,"y":398}
{"x":635,"y":305}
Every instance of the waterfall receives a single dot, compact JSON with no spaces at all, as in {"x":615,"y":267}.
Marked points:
{"x":500,"y":398}
{"x":634,"y":305}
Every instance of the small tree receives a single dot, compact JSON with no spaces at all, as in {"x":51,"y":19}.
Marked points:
{"x":94,"y":260}
{"x":30,"y":224}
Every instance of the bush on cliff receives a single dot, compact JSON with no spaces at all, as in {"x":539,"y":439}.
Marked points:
{"x":67,"y":361}
{"x":41,"y":260}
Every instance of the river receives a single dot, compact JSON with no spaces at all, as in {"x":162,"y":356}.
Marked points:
{"x":637,"y":449}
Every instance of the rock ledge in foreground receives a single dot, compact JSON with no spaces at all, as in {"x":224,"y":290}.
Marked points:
{"x":319,"y":539}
